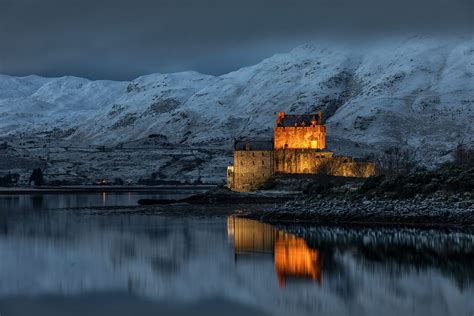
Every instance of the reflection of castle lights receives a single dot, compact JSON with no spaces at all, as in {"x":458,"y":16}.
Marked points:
{"x":292,"y":256}
{"x":249,"y":236}
{"x":104,"y":198}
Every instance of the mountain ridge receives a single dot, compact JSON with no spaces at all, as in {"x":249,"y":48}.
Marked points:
{"x":413,"y":92}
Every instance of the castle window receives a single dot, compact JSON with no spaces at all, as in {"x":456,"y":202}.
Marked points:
{"x":241,"y":162}
{"x":253,"y":162}
{"x":263,"y":162}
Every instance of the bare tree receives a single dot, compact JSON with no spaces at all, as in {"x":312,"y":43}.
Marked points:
{"x":464,"y":157}
{"x":37,"y":177}
{"x":327,"y":166}
{"x":395,"y":160}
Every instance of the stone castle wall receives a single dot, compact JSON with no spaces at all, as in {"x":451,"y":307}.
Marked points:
{"x":313,"y":137}
{"x":251,"y":169}
{"x":310,"y":161}
{"x":299,"y":160}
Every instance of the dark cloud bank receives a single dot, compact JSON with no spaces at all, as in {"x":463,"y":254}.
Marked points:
{"x":117,"y":39}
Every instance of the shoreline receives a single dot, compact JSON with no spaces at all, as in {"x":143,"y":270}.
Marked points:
{"x":106,"y":189}
{"x":223,"y":196}
{"x":362,"y":224}
{"x":438,"y":210}
{"x":435,"y":210}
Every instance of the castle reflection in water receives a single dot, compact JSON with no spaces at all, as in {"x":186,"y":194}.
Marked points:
{"x":292,"y":256}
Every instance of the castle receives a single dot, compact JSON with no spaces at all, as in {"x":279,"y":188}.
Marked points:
{"x":298,"y":147}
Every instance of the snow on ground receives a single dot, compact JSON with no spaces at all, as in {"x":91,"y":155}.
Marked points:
{"x":414,"y":92}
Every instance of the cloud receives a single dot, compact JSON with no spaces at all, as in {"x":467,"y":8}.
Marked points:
{"x":120,"y":39}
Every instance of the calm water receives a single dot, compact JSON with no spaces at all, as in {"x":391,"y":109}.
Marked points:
{"x":42,"y":202}
{"x":57,"y":260}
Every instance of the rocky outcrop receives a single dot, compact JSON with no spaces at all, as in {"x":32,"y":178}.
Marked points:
{"x":435,"y":210}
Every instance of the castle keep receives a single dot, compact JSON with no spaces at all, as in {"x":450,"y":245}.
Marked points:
{"x":299,"y":132}
{"x":298,"y":147}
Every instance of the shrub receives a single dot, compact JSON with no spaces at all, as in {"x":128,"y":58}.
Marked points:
{"x":37,"y":177}
{"x":118,"y":181}
{"x":371,"y":183}
{"x":464,"y":181}
{"x":395,"y":160}
{"x":448,"y":177}
{"x":10,"y":179}
{"x":327,"y":167}
{"x":322,"y":184}
{"x":464,"y":157}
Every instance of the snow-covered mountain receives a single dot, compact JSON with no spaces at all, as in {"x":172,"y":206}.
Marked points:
{"x":416,"y":91}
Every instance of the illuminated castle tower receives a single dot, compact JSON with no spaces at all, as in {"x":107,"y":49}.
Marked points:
{"x":300,"y":143}
{"x":299,"y":132}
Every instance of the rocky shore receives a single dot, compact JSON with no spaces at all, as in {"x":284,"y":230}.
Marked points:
{"x":432,"y":198}
{"x":438,"y":209}
{"x":222,"y":195}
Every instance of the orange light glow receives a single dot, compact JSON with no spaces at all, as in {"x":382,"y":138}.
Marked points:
{"x":293,"y":258}
{"x":301,"y":135}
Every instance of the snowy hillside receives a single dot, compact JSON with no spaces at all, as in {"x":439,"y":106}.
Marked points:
{"x":414,"y":92}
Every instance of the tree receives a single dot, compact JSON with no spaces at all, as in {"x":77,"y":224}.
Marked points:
{"x":37,"y":177}
{"x":118,"y":181}
{"x":395,"y":160}
{"x":464,"y":157}
{"x":328,"y":166}
{"x":10,"y":179}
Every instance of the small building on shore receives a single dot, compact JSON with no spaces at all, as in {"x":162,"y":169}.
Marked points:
{"x":298,"y":147}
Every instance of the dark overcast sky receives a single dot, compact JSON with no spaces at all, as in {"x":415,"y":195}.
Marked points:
{"x":122,"y":39}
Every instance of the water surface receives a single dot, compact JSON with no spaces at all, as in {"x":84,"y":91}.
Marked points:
{"x":57,"y":260}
